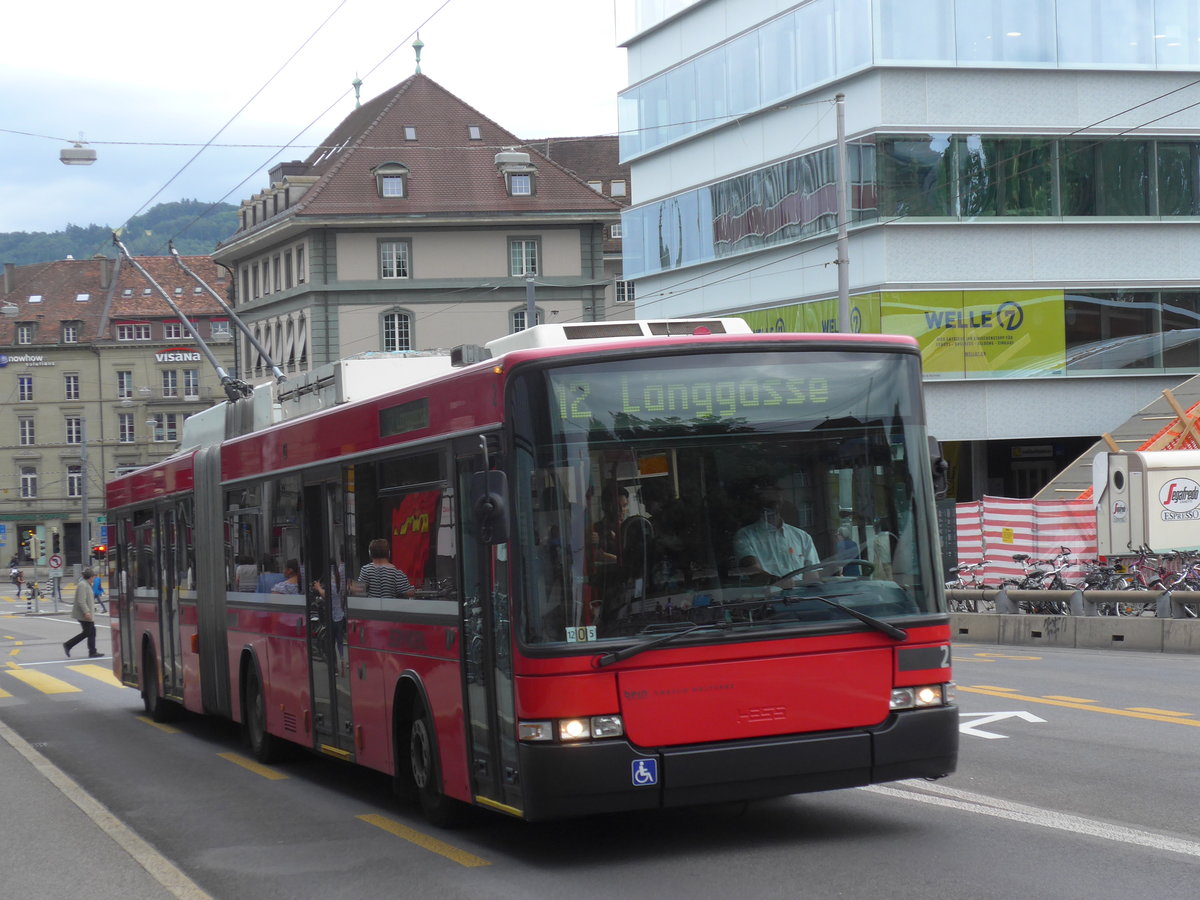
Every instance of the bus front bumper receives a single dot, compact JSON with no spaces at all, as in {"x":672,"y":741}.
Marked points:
{"x":565,"y":780}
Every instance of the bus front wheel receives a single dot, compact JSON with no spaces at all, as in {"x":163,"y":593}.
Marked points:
{"x":439,"y":809}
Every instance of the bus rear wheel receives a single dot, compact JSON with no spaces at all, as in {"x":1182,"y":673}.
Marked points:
{"x":158,"y":708}
{"x":263,"y":745}
{"x":443,"y":811}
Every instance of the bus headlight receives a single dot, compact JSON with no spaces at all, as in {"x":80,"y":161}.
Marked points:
{"x":573,"y":730}
{"x":922,"y":696}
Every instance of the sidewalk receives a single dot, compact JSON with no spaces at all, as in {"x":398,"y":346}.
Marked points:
{"x":60,"y":842}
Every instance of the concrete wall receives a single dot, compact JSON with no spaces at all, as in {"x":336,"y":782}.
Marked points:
{"x":1138,"y":633}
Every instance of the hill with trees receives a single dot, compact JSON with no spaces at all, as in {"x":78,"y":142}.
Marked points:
{"x":195,"y":226}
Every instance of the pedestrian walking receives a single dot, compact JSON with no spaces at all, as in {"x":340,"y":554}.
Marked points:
{"x":83,"y":611}
{"x":98,"y":593}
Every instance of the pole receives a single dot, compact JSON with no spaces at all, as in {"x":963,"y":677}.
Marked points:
{"x":843,"y":240}
{"x":530,"y":306}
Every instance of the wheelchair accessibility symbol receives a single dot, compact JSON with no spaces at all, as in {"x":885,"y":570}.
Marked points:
{"x":645,"y":771}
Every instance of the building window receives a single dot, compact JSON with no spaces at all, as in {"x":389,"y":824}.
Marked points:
{"x":24,"y":387}
{"x":520,"y":184}
{"x":523,"y":256}
{"x":191,"y":384}
{"x":410,"y":133}
{"x":124,"y":385}
{"x":596,"y":185}
{"x":27,"y":431}
{"x":245,"y":284}
{"x":74,"y":429}
{"x":624,"y":291}
{"x":173,"y":331}
{"x":397,"y":331}
{"x":516,"y":319}
{"x":74,"y":481}
{"x":71,"y":387}
{"x":82,"y":298}
{"x":219,"y":328}
{"x":28,"y":482}
{"x":170,"y":383}
{"x":617,"y":188}
{"x":301,"y":267}
{"x":289,"y":277}
{"x":125,"y":433}
{"x":130,"y":332}
{"x":614,"y":231}
{"x":166,"y":427}
{"x":70,"y":333}
{"x":25,"y":333}
{"x":35,"y":298}
{"x":254,"y":280}
{"x":276,"y":277}
{"x":393,"y":259}
{"x":391,"y":179}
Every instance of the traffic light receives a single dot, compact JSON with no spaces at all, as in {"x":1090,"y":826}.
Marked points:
{"x":35,"y":548}
{"x":56,"y":543}
{"x":100,"y":552}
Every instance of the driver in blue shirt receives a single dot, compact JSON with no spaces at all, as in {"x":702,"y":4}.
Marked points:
{"x":770,"y":544}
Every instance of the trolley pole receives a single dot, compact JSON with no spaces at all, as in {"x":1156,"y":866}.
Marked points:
{"x":85,"y":536}
{"x":843,"y":240}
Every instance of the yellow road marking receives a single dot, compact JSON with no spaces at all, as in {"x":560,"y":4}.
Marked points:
{"x":15,"y":652}
{"x":1157,"y":712}
{"x":159,"y":725}
{"x":1068,"y":699}
{"x":992,"y":687}
{"x":4,"y":693}
{"x":1127,"y":713}
{"x":47,"y":684}
{"x":252,"y":766}
{"x":428,"y":842}
{"x":91,"y":670}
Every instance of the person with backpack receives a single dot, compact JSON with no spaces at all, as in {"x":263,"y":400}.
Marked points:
{"x":98,"y":593}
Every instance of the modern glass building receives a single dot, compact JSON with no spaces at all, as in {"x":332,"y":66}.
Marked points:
{"x":1023,"y":184}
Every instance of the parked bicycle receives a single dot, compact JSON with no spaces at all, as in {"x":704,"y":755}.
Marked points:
{"x":1036,"y":578}
{"x":965,"y":577}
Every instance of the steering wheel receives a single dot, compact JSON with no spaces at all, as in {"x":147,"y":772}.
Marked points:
{"x":868,"y":568}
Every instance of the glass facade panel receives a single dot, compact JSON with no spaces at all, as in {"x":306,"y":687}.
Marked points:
{"x":1005,"y":177}
{"x":853,"y":34}
{"x":711,"y":103}
{"x":1092,"y":32}
{"x":915,"y":176}
{"x":779,"y":59}
{"x":1181,"y":330}
{"x":1177,"y":33}
{"x":741,"y":86}
{"x":818,"y":60}
{"x":1178,"y":178}
{"x":1111,"y":331}
{"x":914,"y":31}
{"x":1005,"y":31}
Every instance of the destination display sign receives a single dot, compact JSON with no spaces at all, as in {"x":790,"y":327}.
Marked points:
{"x":740,"y":387}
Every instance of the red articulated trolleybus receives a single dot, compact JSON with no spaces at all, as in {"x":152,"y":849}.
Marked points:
{"x":656,"y":564}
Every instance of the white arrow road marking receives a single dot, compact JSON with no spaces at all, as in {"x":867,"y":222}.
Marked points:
{"x":972,"y":728}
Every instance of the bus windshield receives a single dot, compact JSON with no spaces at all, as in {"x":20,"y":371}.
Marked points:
{"x":743,"y":489}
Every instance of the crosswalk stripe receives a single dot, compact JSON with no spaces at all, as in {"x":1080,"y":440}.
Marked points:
{"x":47,"y":684}
{"x":100,"y":673}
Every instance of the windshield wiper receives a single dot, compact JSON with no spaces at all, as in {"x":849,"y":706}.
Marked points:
{"x":898,"y":634}
{"x":617,"y":655}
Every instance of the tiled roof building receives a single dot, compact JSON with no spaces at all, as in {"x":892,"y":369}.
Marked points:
{"x":98,"y":374}
{"x":414,"y":226}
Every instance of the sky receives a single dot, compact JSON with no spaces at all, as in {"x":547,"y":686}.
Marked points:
{"x":147,"y":84}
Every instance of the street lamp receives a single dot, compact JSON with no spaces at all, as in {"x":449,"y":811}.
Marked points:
{"x":79,"y":155}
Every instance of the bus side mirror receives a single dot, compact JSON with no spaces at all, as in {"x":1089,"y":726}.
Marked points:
{"x":939,"y":467}
{"x":489,"y":502}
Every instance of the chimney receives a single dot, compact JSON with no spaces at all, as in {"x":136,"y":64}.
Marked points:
{"x":10,"y":271}
{"x":105,"y":272}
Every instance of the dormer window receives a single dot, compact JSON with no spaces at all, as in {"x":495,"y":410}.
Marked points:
{"x":391,"y":179}
{"x":520,"y":184}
